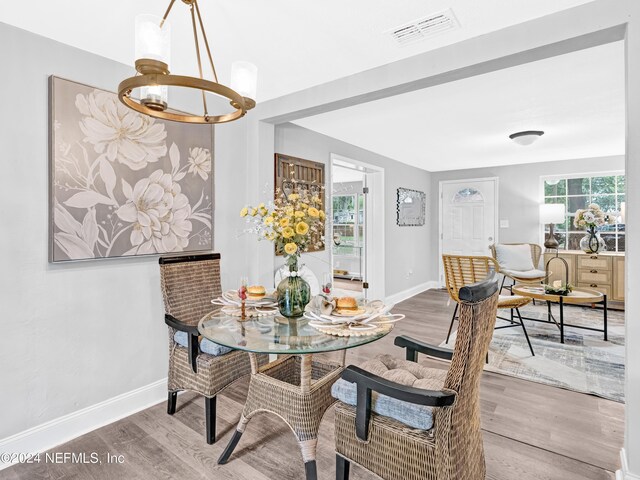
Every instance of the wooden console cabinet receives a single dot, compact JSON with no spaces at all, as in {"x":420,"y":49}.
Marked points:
{"x":603,"y":271}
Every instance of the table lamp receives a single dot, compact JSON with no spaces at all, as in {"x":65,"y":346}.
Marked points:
{"x":552,"y":213}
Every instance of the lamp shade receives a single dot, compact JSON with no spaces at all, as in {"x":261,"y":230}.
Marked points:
{"x":152,"y":40}
{"x":552,"y":213}
{"x":244,"y":78}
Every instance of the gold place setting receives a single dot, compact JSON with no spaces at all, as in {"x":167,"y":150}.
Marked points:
{"x":344,"y":316}
{"x":247,"y":301}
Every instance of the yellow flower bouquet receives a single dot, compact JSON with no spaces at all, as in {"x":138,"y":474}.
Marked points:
{"x":292,"y":224}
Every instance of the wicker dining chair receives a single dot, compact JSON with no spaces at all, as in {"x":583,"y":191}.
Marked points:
{"x":460,"y":270}
{"x":450,"y":446}
{"x":531,"y":276}
{"x":189,"y":283}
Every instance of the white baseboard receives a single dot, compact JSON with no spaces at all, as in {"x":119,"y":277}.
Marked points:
{"x":410,"y":292}
{"x":623,"y":473}
{"x":65,"y":428}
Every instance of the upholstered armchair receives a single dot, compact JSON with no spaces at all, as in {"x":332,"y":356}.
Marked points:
{"x":189,"y":283}
{"x":519,"y":262}
{"x":405,"y":421}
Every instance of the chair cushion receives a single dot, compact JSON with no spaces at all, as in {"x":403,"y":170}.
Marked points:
{"x":514,"y":257}
{"x":535,"y":273}
{"x":402,"y":372}
{"x":513,"y":301}
{"x":206,"y":346}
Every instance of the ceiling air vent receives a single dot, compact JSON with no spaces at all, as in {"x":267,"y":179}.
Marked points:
{"x":425,"y":27}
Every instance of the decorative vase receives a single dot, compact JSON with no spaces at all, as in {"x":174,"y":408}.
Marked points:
{"x":592,"y":242}
{"x":293,"y":291}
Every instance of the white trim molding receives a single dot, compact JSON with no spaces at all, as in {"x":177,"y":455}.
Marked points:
{"x":63,"y":429}
{"x":410,"y":292}
{"x":624,"y":473}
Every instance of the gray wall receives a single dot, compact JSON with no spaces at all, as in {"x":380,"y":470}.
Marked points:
{"x":77,"y":334}
{"x":405,"y":247}
{"x":519,"y":195}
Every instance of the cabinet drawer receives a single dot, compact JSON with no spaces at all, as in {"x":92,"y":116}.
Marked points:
{"x":605,"y":289}
{"x":594,"y":262}
{"x":595,"y":276}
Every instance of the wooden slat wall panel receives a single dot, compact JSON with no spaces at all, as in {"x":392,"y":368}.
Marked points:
{"x":308,"y":176}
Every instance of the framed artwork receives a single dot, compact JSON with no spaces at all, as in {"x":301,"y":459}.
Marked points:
{"x":124,"y":184}
{"x":411,"y":207}
{"x":296,"y":175}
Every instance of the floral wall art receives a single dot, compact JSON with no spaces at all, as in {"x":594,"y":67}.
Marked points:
{"x":122,"y":183}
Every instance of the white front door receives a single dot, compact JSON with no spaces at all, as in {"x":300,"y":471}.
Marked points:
{"x":468,"y":212}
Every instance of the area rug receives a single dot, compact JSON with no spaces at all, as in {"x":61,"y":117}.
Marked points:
{"x":584,"y":363}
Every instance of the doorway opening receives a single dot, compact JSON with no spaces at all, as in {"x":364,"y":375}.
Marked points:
{"x":357,"y":191}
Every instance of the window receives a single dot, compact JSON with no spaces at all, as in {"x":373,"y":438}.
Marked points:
{"x":578,"y":192}
{"x":348,"y":223}
{"x":468,"y":195}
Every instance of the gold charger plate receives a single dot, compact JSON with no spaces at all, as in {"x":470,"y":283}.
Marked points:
{"x":339,"y":312}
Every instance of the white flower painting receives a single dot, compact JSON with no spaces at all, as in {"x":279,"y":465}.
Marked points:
{"x":125,"y":184}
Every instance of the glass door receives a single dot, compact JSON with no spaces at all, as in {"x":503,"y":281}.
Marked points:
{"x":348,"y":236}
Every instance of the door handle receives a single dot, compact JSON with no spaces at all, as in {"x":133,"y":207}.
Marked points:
{"x":491,"y":239}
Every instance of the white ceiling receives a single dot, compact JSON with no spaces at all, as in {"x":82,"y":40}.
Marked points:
{"x":576,"y":99}
{"x":295,"y":43}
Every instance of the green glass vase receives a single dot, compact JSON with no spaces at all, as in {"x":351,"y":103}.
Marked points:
{"x":294,"y":292}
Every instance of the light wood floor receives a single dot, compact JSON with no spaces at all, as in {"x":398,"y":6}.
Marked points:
{"x":531,"y":431}
{"x":344,"y":284}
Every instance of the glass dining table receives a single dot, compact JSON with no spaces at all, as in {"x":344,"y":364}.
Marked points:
{"x":292,"y":385}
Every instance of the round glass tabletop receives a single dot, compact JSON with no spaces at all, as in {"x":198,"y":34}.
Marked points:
{"x":276,"y":334}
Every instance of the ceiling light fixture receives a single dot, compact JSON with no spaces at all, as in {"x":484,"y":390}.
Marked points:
{"x":153,"y":79}
{"x":527,"y":137}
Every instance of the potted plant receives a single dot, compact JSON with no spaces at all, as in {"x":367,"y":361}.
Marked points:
{"x":558,"y":288}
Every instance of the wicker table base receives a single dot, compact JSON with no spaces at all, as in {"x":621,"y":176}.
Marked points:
{"x":298,"y":390}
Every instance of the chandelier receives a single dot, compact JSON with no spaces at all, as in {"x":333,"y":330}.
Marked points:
{"x":153,"y":47}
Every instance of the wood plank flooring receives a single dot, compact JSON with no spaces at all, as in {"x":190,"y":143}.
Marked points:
{"x":344,"y":284}
{"x":531,"y":431}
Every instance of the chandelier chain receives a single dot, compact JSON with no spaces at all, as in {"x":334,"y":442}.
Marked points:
{"x":206,"y":41}
{"x":166,"y":14}
{"x":195,"y":38}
